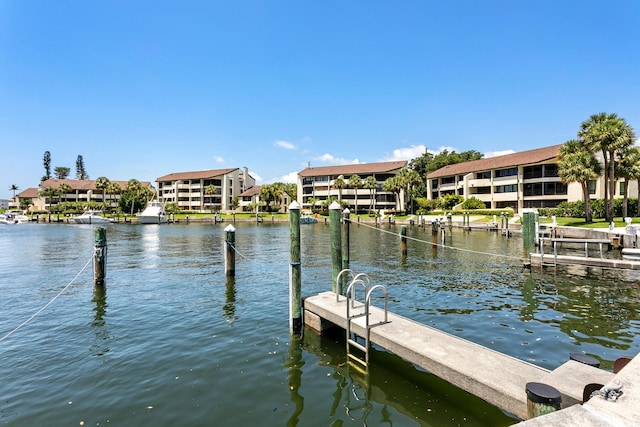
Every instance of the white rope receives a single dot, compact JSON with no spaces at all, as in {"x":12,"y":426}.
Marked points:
{"x":441,"y":245}
{"x":47,"y":304}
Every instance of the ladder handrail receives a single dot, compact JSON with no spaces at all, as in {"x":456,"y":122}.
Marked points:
{"x":346,"y":270}
{"x":386,"y":303}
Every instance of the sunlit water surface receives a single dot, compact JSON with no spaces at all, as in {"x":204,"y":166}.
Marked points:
{"x":172,"y":342}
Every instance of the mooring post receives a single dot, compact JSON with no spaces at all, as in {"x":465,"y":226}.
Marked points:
{"x":346,"y":224}
{"x":295,"y":276}
{"x":230,"y":251}
{"x":99,"y":256}
{"x":403,"y":239}
{"x":528,"y":231}
{"x":336,"y":245}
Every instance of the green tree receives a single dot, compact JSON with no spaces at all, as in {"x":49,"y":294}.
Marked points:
{"x":210,"y":190}
{"x":101,"y":184}
{"x":61,"y":172}
{"x":371,"y":184}
{"x":113,"y":188}
{"x":235,"y":202}
{"x":49,"y":193}
{"x":409,"y":179}
{"x":46,"y":161}
{"x":577,"y":164}
{"x":25,"y":204}
{"x":64,"y":189}
{"x":340,"y":184}
{"x":355,"y":182}
{"x":628,"y":168}
{"x":393,"y":185}
{"x":610,"y":135}
{"x":291,"y":189}
{"x":131,"y":196}
{"x":81,"y":173}
{"x":270,"y":193}
{"x":14,"y":188}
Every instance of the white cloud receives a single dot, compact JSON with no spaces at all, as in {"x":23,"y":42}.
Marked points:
{"x":406,"y":153}
{"x":497,"y":153}
{"x":286,"y":145}
{"x":329,"y":158}
{"x":218,"y":159}
{"x":290,"y":178}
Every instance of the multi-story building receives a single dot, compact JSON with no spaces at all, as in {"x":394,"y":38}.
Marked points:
{"x":527,"y":179}
{"x":250,"y":201}
{"x":190,"y":190}
{"x":317,"y":184}
{"x":80,"y":190}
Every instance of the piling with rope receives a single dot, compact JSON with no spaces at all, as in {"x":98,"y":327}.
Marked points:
{"x":229,"y":251}
{"x":336,"y":245}
{"x":295,"y":276}
{"x":99,"y":256}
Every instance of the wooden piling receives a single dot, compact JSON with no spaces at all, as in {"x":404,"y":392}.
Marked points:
{"x":99,"y":256}
{"x":229,"y":251}
{"x":403,"y":239}
{"x":336,"y":245}
{"x":295,"y":267}
{"x":346,"y":224}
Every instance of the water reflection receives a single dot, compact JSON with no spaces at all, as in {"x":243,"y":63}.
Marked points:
{"x":229,"y":307}
{"x":100,"y":346}
{"x":294,"y":366}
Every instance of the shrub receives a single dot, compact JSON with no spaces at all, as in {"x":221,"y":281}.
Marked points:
{"x":473,"y":203}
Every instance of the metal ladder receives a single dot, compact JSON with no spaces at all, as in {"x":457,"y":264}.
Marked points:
{"x":362,"y":310}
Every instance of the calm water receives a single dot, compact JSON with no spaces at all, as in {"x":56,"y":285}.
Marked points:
{"x":172,"y":342}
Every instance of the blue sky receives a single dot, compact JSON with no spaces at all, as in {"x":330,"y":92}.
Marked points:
{"x":141,"y":89}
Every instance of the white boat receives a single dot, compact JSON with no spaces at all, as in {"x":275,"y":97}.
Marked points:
{"x":153,"y":214}
{"x":631,"y":253}
{"x":91,"y":217}
{"x":13,"y":217}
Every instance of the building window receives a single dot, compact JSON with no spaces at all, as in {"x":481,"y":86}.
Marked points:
{"x":621,"y":188}
{"x":500,"y":173}
{"x":449,"y":180}
{"x":434,"y":183}
{"x":550,"y":171}
{"x":483,"y":175}
{"x":532,"y":172}
{"x":507,"y":188}
{"x":592,"y":187}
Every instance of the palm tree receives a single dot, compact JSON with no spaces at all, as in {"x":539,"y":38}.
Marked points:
{"x":14,"y":188}
{"x":393,"y":185}
{"x":133,"y":188}
{"x":64,"y":189}
{"x":210,"y":190}
{"x":409,"y":178}
{"x":339,"y":183}
{"x":101,"y":184}
{"x":371,"y":184}
{"x":576,"y":164}
{"x":50,"y":193}
{"x":112,"y":189}
{"x":355,"y":182}
{"x":610,"y":135}
{"x":628,"y":168}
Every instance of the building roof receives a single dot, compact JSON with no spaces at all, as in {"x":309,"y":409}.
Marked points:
{"x":29,"y":193}
{"x":83,"y":184}
{"x":251,"y":191}
{"x":205,"y":174}
{"x":348,"y":170}
{"x":509,"y":160}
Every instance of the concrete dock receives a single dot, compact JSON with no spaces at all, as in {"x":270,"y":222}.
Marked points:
{"x":495,"y":377}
